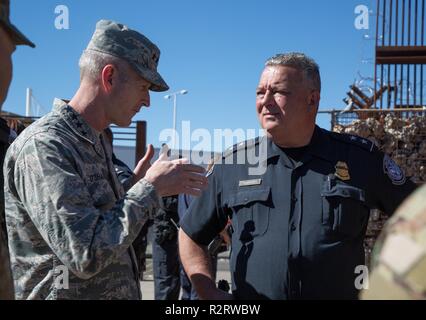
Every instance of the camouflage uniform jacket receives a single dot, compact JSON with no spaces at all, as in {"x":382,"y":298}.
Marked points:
{"x":67,"y":215}
{"x":400,"y":254}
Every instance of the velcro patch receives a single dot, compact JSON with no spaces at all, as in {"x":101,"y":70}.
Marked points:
{"x":400,"y":253}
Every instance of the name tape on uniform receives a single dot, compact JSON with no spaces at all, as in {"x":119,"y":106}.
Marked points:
{"x":252,"y":182}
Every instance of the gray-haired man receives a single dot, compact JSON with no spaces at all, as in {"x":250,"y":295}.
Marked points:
{"x":70,"y":223}
{"x":299,"y":227}
{"x":10,"y":37}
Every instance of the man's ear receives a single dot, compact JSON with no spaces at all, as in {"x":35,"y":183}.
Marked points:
{"x":314,"y":99}
{"x":108,"y":77}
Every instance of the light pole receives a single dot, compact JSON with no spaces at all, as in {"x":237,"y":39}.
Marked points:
{"x":174,"y":95}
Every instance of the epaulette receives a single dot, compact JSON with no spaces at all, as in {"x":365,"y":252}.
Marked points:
{"x":240,"y":146}
{"x":363,"y":143}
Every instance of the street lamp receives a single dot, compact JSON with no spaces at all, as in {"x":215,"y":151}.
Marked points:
{"x":174,"y":95}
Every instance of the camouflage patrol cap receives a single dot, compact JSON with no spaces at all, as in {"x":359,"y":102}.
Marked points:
{"x":118,"y":40}
{"x":17,"y":36}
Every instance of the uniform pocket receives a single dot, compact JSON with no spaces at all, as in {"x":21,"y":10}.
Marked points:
{"x":343,"y":208}
{"x":250,"y":212}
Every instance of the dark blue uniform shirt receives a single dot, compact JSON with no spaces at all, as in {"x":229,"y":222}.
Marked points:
{"x":299,"y":227}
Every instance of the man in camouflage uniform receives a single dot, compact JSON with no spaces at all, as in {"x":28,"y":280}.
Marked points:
{"x":400,"y":254}
{"x":70,"y":223}
{"x":10,"y":37}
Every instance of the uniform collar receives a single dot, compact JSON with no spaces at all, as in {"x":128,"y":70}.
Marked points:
{"x":78,"y":125}
{"x":319,"y":146}
{"x":75,"y":121}
{"x":273,"y":149}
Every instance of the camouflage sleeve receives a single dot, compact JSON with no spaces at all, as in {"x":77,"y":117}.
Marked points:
{"x":399,"y":256}
{"x":59,"y":203}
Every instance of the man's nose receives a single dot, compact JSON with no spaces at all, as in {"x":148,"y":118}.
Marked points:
{"x":268,"y":98}
{"x":146,"y":100}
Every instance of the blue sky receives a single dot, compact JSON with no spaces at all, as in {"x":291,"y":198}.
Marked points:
{"x":215,"y":49}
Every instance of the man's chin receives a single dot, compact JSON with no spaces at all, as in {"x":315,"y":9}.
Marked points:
{"x":269,"y":126}
{"x":123,"y":123}
{"x":272,"y":130}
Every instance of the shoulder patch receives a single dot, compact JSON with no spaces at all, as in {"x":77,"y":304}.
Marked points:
{"x":394,"y":172}
{"x":363,"y":143}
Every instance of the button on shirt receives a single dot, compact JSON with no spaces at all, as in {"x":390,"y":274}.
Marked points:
{"x":298,"y":228}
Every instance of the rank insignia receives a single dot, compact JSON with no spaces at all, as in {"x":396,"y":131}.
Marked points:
{"x":342,"y":171}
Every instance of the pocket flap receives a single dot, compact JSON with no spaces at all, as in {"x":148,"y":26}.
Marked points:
{"x":344,"y":191}
{"x":243,"y":197}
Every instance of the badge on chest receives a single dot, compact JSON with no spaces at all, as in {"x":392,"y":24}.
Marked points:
{"x":342,"y":171}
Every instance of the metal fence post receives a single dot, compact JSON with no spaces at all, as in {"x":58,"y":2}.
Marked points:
{"x":140,"y":140}
{"x":333,"y":119}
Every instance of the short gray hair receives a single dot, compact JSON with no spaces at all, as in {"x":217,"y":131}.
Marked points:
{"x":92,"y":62}
{"x":300,"y":62}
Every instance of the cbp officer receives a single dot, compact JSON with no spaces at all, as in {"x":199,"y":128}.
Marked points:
{"x":299,"y":226}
